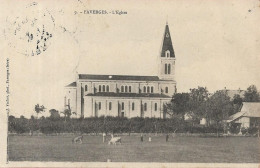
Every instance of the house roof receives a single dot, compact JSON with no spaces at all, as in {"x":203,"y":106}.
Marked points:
{"x":119,"y":77}
{"x":112,"y":94}
{"x":73,"y":84}
{"x":251,"y":109}
{"x":248,"y":109}
{"x":232,"y":93}
{"x":235,"y":116}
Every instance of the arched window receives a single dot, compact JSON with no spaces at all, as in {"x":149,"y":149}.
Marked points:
{"x":133,"y":106}
{"x":122,"y":88}
{"x":86,"y":88}
{"x":167,"y":53}
{"x":148,"y":89}
{"x":69,"y":102}
{"x":99,"y":88}
{"x":169,"y":68}
{"x":107,"y":88}
{"x":126,"y":89}
{"x":152,"y":89}
{"x":166,"y":89}
{"x":155,"y":106}
{"x":104,"y":88}
{"x":165,"y":69}
{"x":145,"y":106}
{"x":130,"y":89}
{"x":144,"y":89}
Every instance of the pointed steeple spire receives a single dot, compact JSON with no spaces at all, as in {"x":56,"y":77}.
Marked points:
{"x":167,"y":43}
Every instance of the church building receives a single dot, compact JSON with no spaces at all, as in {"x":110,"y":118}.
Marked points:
{"x":125,"y":95}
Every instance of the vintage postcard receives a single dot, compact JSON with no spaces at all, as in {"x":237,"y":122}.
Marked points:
{"x":130,"y":83}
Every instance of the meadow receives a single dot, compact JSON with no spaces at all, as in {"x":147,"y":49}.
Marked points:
{"x":177,"y":149}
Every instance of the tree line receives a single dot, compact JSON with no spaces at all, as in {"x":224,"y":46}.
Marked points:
{"x":102,"y":124}
{"x":194,"y":105}
{"x":198,"y":104}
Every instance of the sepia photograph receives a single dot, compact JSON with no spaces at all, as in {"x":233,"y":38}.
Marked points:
{"x":154,"y":83}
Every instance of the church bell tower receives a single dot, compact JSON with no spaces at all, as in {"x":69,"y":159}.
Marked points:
{"x":167,"y":57}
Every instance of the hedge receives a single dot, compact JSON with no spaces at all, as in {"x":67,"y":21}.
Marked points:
{"x":106,"y":124}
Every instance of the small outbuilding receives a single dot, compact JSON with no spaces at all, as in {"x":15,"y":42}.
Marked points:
{"x":249,"y":115}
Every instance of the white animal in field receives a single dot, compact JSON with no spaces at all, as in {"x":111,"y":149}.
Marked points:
{"x":77,"y":139}
{"x":115,"y":140}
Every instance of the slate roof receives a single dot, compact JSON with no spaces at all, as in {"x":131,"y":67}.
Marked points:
{"x":167,"y":43}
{"x":112,"y":94}
{"x":232,"y":93}
{"x":249,"y":109}
{"x":73,"y":84}
{"x":119,"y":77}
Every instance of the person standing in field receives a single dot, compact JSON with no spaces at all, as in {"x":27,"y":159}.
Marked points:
{"x":104,"y":137}
{"x":167,"y":137}
{"x":30,"y":133}
{"x":142,"y":138}
{"x":150,"y":139}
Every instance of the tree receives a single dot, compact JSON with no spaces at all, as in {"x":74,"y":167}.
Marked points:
{"x":179,"y":105}
{"x":67,"y":113}
{"x":11,"y":118}
{"x":39,"y":109}
{"x":197,"y":104}
{"x":237,"y":99}
{"x":54,"y":114}
{"x":219,"y":107}
{"x":251,"y":94}
{"x":22,"y":117}
{"x":42,"y":118}
{"x":33,"y":124}
{"x":237,"y":103}
{"x":11,"y":123}
{"x":32,"y":117}
{"x":192,"y":104}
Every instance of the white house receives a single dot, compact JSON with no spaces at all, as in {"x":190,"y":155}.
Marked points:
{"x":249,"y":115}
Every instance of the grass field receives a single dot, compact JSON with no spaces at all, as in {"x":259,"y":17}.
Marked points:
{"x":178,"y":149}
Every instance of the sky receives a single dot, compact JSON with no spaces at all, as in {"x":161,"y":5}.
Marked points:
{"x":216,"y":43}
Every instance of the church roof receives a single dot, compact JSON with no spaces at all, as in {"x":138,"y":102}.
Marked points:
{"x":73,"y":84}
{"x":119,"y":77}
{"x":167,"y":43}
{"x":112,"y":94}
